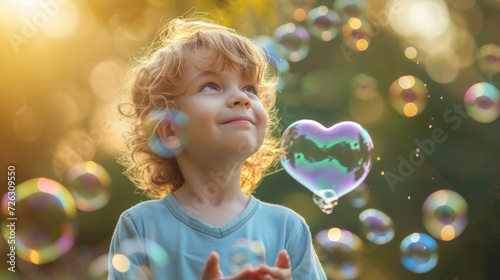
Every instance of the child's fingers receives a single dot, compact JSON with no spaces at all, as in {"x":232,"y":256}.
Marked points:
{"x":283,"y":260}
{"x":211,"y":268}
{"x":276,"y":272}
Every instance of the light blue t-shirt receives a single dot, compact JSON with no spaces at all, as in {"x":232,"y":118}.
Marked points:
{"x":159,"y":239}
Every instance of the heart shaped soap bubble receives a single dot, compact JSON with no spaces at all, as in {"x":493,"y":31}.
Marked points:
{"x":330,"y":162}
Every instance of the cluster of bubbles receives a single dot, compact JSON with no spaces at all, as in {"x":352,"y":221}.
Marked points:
{"x":48,"y":209}
{"x":244,"y":251}
{"x":346,"y":17}
{"x":444,"y":217}
{"x":408,"y":95}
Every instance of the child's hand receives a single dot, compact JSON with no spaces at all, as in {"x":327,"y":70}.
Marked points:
{"x":212,"y":271}
{"x":282,"y":269}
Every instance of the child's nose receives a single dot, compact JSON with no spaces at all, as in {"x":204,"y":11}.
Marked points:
{"x":240,"y":98}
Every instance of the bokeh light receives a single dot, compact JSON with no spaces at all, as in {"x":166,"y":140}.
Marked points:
{"x":98,"y":268}
{"x":482,"y":102}
{"x":134,"y":248}
{"x":408,"y":96}
{"x":377,"y":226}
{"x":419,"y":252}
{"x":295,"y":39}
{"x":89,"y":184}
{"x":339,"y":252}
{"x":445,"y":214}
{"x":45,"y":229}
{"x":323,"y":23}
{"x":245,"y":251}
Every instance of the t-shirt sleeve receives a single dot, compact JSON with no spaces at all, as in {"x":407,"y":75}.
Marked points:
{"x":127,"y":259}
{"x":303,"y":258}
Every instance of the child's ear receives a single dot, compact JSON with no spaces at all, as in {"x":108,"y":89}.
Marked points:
{"x":169,"y":135}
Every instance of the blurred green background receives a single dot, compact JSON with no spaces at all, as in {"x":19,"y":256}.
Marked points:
{"x":62,"y":64}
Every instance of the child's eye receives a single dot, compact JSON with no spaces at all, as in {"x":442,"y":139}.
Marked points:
{"x":251,"y":90}
{"x":209,"y":87}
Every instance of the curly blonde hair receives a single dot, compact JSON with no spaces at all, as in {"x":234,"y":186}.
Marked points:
{"x":151,"y":83}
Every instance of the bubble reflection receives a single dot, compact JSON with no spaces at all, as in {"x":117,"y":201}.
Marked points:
{"x":408,"y":96}
{"x":295,"y":39}
{"x":174,"y":117}
{"x":323,"y":23}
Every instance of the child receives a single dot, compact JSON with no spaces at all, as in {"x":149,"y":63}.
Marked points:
{"x":218,"y":81}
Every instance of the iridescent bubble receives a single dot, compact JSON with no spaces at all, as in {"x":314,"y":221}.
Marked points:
{"x":488,"y":58}
{"x":408,"y":96}
{"x":350,"y":8}
{"x":357,"y":33}
{"x":360,"y":196}
{"x":364,"y":87}
{"x":482,"y":102}
{"x":323,"y":23}
{"x":327,"y":161}
{"x":272,"y":49}
{"x":418,"y":252}
{"x":445,"y":214}
{"x":152,"y":252}
{"x":295,"y":39}
{"x":98,"y":268}
{"x":377,"y":226}
{"x":89,"y":184}
{"x":44,"y":229}
{"x":339,"y":252}
{"x":172,"y":116}
{"x":244,"y":251}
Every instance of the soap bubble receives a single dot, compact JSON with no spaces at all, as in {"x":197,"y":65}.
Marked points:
{"x":272,"y":49}
{"x":357,"y":33}
{"x":360,"y":196}
{"x":155,"y":255}
{"x":488,"y":58}
{"x":364,"y":87}
{"x":482,"y":102}
{"x":89,"y":184}
{"x":243,"y":251}
{"x":174,"y":117}
{"x":418,"y":252}
{"x":331,"y":161}
{"x":350,"y":8}
{"x":408,"y":96}
{"x":339,"y":252}
{"x":377,"y":226}
{"x":323,"y":23}
{"x":445,"y":214}
{"x":45,"y":229}
{"x":295,"y":39}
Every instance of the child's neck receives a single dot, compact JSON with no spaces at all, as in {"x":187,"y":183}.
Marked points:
{"x":212,"y":194}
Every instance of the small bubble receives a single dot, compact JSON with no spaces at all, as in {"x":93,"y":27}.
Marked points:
{"x":382,"y":173}
{"x":378,"y":158}
{"x":417,"y":62}
{"x":430,"y":126}
{"x":409,"y":197}
{"x":418,"y":150}
{"x":432,"y":118}
{"x":441,"y":97}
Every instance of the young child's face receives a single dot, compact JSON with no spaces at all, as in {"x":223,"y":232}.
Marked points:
{"x":226,"y":116}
